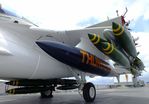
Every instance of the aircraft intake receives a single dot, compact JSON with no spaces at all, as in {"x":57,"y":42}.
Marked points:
{"x":75,"y":57}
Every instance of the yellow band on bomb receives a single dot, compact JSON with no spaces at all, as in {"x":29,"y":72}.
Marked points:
{"x":93,"y":38}
{"x":120,"y":33}
{"x":112,"y":48}
{"x":117,"y":29}
{"x":106,"y":49}
{"x":98,"y":40}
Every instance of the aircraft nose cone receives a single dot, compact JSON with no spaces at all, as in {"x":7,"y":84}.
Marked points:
{"x":106,"y":46}
{"x":114,"y":25}
{"x":91,"y":36}
{"x":54,"y":49}
{"x":47,"y":44}
{"x":40,"y":44}
{"x":48,"y":47}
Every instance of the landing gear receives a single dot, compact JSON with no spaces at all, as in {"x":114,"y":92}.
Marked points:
{"x":89,"y":92}
{"x":86,"y":89}
{"x":46,"y":94}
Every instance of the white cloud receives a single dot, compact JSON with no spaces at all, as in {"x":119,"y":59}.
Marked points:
{"x":143,"y":49}
{"x":137,"y":9}
{"x":65,"y":14}
{"x":143,"y":42}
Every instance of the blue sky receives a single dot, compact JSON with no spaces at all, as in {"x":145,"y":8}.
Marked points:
{"x":75,"y":14}
{"x":141,"y":25}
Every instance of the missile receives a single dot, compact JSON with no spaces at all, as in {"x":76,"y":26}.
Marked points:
{"x":77,"y":58}
{"x":109,"y":35}
{"x":25,"y":90}
{"x":135,"y":72}
{"x":125,"y":39}
{"x":139,"y":64}
{"x":109,"y":50}
{"x":96,"y":38}
{"x":67,"y":87}
{"x":32,"y":83}
{"x":27,"y":82}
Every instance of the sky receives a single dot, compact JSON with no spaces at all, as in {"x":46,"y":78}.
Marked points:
{"x":76,"y":14}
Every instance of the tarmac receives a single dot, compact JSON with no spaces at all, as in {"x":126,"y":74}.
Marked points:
{"x":122,"y":95}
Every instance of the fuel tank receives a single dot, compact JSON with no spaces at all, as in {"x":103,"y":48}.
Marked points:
{"x":75,"y":57}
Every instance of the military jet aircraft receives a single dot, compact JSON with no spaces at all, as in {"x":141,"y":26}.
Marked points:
{"x":42,"y":60}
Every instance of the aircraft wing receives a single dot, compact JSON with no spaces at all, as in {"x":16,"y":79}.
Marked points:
{"x":82,"y":41}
